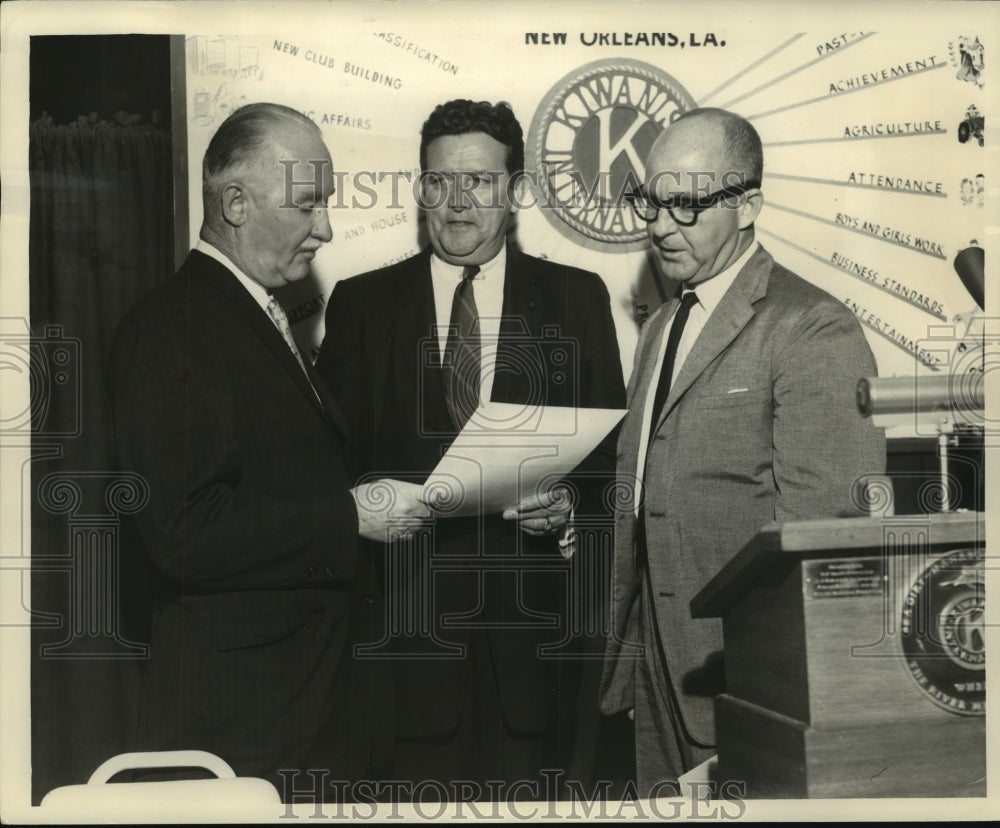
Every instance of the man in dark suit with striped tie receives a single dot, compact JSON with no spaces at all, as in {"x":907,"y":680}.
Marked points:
{"x":254,"y":520}
{"x":410,"y":351}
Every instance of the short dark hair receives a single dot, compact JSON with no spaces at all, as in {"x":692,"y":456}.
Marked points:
{"x":244,"y":137}
{"x":741,"y":140}
{"x":461,"y":116}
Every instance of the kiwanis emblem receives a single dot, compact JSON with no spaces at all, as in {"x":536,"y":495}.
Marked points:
{"x":943,"y":632}
{"x":588,"y":143}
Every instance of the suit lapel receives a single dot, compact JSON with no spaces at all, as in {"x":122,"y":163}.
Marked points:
{"x":730,"y":317}
{"x":641,"y":383}
{"x":409,"y":339}
{"x":216,"y":276}
{"x":334,"y":414}
{"x":520,"y":325}
{"x":409,"y":381}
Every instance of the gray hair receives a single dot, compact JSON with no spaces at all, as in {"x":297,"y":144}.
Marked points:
{"x":243,"y":140}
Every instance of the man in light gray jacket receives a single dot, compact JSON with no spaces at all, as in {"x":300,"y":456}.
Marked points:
{"x":741,"y":412}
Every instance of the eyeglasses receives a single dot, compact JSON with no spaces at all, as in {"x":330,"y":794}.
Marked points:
{"x":683,"y":210}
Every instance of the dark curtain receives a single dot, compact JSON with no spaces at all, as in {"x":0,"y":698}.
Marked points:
{"x":101,"y":236}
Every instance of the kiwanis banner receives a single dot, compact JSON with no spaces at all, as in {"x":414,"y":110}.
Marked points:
{"x":874,"y":159}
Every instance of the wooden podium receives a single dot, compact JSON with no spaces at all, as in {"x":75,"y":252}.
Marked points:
{"x":854,"y":658}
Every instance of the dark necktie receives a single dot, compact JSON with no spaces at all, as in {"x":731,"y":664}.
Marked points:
{"x":463,"y":352}
{"x":688,"y":300}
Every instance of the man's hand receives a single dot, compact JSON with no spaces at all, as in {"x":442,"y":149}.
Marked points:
{"x":389,"y":508}
{"x":545,"y":513}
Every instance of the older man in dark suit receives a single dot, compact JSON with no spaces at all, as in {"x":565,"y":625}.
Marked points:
{"x":741,"y":412}
{"x":252,"y":517}
{"x":477,"y":699}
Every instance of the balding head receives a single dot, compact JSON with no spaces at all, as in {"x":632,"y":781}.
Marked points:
{"x":711,"y":149}
{"x":710,"y":162}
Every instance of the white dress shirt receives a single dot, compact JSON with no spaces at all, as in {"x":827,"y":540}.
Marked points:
{"x":487,"y":286}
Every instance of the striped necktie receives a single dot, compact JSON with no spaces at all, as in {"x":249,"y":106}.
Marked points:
{"x":461,"y":365}
{"x":280,"y":319}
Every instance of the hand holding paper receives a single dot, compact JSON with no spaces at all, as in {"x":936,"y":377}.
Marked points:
{"x":508,"y":453}
{"x":545,"y":513}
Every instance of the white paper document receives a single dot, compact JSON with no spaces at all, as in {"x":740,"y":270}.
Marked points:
{"x":508,"y":452}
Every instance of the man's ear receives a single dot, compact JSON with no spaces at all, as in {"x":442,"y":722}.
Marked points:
{"x":234,"y":204}
{"x":753,"y":200}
